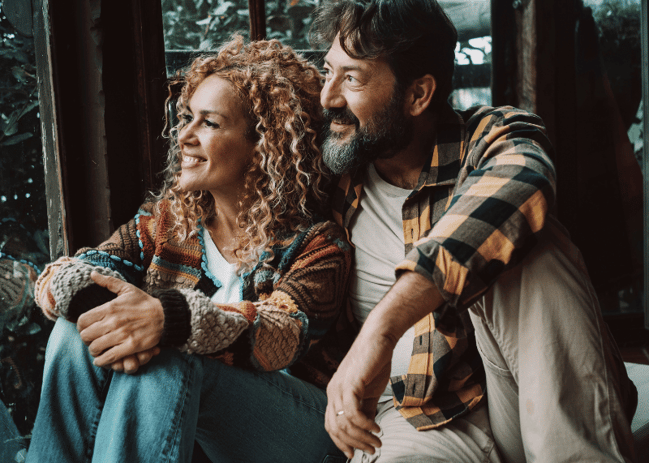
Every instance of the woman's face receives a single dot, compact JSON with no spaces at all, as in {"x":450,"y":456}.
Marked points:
{"x":215,"y":151}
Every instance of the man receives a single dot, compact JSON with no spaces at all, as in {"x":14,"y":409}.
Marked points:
{"x":466,"y":197}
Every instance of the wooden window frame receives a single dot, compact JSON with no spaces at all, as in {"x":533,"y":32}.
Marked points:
{"x":644,"y":24}
{"x":101,"y":77}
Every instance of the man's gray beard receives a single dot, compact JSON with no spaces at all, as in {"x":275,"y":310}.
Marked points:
{"x":386,"y":134}
{"x":343,"y":157}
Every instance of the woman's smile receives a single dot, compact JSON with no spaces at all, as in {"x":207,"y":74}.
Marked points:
{"x":189,"y":161}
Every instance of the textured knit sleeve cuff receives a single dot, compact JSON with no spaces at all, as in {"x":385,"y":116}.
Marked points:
{"x":86,"y":299}
{"x":212,"y":328}
{"x":70,"y":280}
{"x":177,"y":324}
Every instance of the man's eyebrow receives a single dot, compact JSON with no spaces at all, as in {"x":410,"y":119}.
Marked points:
{"x":347,"y":68}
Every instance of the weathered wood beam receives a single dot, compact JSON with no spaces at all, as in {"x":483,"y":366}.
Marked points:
{"x":534,"y":69}
{"x":644,"y":24}
{"x":257,"y":9}
{"x":101,"y":74}
{"x":58,"y":219}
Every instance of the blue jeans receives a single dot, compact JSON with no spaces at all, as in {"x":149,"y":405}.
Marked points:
{"x":92,"y":414}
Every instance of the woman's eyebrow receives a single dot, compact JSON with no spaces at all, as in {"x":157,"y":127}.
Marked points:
{"x":207,"y":112}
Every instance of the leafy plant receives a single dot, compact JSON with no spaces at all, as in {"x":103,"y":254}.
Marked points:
{"x":23,"y":229}
{"x":205,"y":24}
{"x":22,"y":192}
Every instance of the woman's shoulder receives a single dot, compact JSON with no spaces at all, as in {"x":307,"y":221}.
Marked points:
{"x":318,"y":235}
{"x":324,"y":225}
{"x":159,"y":212}
{"x":154,"y":208}
{"x":323,"y":234}
{"x":327,"y":228}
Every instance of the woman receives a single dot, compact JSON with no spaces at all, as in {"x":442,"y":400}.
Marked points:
{"x":229,"y":261}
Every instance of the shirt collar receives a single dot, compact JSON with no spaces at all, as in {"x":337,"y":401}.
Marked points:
{"x":441,"y":168}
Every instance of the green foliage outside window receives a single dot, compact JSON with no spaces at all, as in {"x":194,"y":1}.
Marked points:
{"x":205,"y":24}
{"x":23,"y":229}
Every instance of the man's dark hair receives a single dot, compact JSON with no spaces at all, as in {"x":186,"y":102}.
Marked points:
{"x":415,"y":37}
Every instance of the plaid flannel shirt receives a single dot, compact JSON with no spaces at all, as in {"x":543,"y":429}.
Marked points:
{"x":481,"y":199}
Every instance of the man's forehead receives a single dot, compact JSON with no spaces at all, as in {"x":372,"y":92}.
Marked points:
{"x":337,"y":57}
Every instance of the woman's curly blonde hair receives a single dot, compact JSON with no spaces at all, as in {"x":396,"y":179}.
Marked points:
{"x":286,"y":182}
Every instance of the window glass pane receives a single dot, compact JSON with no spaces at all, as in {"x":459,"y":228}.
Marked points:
{"x":24,"y":248}
{"x":619,"y":44}
{"x":289,"y":21}
{"x":472,"y":78}
{"x":203,"y":24}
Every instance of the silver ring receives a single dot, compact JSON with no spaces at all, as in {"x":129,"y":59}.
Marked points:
{"x":341,"y":412}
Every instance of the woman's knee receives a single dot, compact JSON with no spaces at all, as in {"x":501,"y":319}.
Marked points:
{"x":65,"y":344}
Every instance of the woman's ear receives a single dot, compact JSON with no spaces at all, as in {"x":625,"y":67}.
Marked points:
{"x":420,"y":94}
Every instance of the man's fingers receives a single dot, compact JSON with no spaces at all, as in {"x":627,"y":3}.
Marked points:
{"x":117,"y":366}
{"x":344,"y":448}
{"x":356,"y":436}
{"x":369,"y":410}
{"x":353,"y":408}
{"x":347,"y":436}
{"x":361,"y":421}
{"x":347,"y":425}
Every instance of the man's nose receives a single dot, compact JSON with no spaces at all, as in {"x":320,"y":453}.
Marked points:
{"x":330,"y":96}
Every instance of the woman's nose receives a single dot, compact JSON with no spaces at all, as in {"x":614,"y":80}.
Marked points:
{"x":187,"y":135}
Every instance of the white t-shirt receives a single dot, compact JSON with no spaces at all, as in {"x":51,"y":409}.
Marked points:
{"x":377,"y":235}
{"x":223,"y":271}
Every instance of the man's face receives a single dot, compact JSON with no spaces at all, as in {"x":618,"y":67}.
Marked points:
{"x":365,"y":111}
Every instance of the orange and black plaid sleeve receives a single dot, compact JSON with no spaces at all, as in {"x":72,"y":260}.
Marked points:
{"x":505,"y":189}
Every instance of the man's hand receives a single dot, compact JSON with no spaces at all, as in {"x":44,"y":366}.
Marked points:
{"x":354,"y":390}
{"x":129,"y":324}
{"x":352,"y":395}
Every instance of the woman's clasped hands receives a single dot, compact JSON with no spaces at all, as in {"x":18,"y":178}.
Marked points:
{"x":122,"y":334}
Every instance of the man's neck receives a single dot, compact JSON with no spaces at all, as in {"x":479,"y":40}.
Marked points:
{"x":403,"y":169}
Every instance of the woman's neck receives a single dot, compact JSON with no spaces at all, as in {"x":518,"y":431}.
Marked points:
{"x":223,"y":228}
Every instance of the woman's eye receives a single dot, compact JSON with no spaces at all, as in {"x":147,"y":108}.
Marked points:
{"x":211,"y":124}
{"x":186,"y":118}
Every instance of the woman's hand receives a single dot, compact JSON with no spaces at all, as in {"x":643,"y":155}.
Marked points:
{"x":131,"y":363}
{"x":129,"y":324}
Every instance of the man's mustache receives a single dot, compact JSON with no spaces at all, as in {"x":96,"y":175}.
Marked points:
{"x":340,"y":116}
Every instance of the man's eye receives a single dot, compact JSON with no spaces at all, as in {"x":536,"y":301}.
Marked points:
{"x":351,"y":79}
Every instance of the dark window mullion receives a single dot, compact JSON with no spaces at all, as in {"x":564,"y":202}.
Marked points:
{"x":257,"y":19}
{"x":644,"y":24}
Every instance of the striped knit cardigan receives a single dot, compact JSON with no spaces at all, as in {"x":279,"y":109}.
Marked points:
{"x":289,"y":304}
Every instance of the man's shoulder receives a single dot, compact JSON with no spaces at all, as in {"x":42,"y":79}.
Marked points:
{"x":475,"y":114}
{"x":488,"y":123}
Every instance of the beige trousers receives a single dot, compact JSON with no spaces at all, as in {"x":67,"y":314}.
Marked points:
{"x":466,"y":439}
{"x":557,"y":389}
